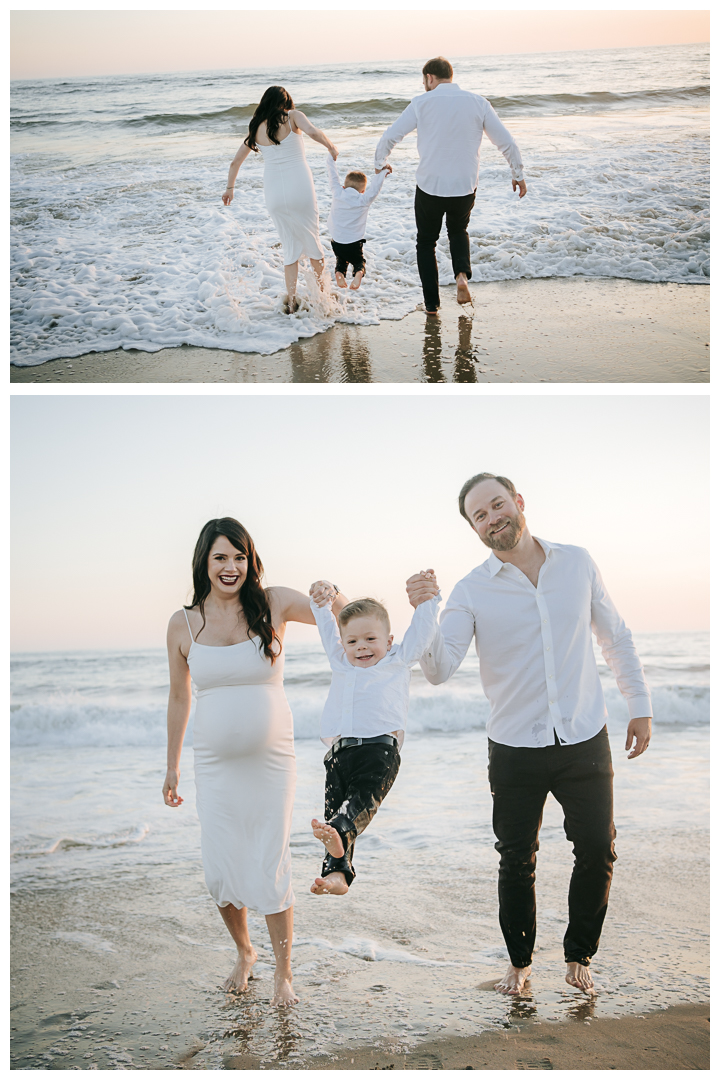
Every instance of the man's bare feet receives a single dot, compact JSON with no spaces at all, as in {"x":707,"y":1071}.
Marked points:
{"x":513,"y":982}
{"x":238,"y":979}
{"x":284,"y":993}
{"x":463,"y":292}
{"x":334,"y":884}
{"x":580,"y":976}
{"x":357,"y":280}
{"x":340,"y":279}
{"x":329,"y":836}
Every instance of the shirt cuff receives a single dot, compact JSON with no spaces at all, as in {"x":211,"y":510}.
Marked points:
{"x":639,"y":705}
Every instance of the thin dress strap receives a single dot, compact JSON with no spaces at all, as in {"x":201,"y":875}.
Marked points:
{"x":188,"y":622}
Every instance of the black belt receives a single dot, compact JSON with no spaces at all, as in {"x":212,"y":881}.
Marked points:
{"x":342,"y":744}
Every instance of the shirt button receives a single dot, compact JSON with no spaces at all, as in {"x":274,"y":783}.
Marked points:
{"x":552,"y":702}
{"x":548,"y":649}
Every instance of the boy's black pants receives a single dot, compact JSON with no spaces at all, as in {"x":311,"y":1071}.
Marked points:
{"x":357,"y":779}
{"x":429,"y":213}
{"x":580,"y":776}
{"x":348,"y":253}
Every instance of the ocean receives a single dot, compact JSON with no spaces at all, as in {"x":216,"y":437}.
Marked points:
{"x":119,"y":237}
{"x":119,"y":953}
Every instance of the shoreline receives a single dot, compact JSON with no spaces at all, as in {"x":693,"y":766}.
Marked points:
{"x":674,"y":1038}
{"x":523,"y":331}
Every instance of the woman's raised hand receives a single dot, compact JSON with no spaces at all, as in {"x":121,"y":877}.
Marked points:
{"x":170,"y":793}
{"x":227,"y":196}
{"x":323,"y":592}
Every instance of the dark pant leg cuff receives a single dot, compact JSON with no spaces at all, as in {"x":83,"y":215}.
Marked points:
{"x":584,"y":960}
{"x":332,"y":865}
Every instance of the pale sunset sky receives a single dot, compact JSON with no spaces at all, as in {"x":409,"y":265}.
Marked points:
{"x":56,"y":43}
{"x":109,"y":494}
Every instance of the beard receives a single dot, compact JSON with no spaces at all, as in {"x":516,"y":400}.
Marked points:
{"x":509,"y":537}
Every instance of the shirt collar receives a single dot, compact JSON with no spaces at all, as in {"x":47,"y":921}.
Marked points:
{"x":495,"y":565}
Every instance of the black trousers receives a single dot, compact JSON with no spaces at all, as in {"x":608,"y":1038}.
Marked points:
{"x":357,"y":779}
{"x":348,"y":253}
{"x":429,"y":212}
{"x":580,"y":777}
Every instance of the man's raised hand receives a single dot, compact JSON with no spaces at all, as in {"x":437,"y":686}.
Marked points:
{"x":638,"y":730}
{"x":521,"y":185}
{"x":421,"y":587}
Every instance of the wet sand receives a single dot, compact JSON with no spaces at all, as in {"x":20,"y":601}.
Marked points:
{"x":676,"y":1038}
{"x":541,"y":330}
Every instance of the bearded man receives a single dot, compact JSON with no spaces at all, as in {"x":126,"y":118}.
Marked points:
{"x":532,"y":608}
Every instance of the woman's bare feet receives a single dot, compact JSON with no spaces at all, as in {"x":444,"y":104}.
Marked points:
{"x":513,"y":982}
{"x":463,"y":292}
{"x":334,"y":884}
{"x":238,"y":979}
{"x":340,"y":279}
{"x":329,"y":836}
{"x":579,"y":975}
{"x":284,"y":993}
{"x":357,"y":280}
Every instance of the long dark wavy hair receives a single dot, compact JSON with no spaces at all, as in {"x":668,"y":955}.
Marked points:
{"x":253,"y":598}
{"x":273,"y":109}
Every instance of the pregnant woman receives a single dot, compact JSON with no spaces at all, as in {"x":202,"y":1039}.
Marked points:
{"x":229,"y":640}
{"x":276,"y":131}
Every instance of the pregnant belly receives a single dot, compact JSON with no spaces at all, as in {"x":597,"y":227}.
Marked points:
{"x":239,"y":721}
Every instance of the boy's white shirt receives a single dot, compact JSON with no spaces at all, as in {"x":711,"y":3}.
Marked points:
{"x":364,"y":702}
{"x":349,"y":210}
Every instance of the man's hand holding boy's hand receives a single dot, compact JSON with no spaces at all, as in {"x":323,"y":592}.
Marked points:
{"x":322,"y":592}
{"x":421,"y":587}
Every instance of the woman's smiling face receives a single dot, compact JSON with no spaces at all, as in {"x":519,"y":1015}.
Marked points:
{"x":227,"y":567}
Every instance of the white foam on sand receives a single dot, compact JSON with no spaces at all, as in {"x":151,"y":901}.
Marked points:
{"x":141,"y":254}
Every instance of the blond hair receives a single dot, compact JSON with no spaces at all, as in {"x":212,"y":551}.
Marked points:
{"x":364,"y":606}
{"x":357,"y":180}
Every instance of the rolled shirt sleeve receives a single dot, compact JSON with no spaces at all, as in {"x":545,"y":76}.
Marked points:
{"x":618,"y":649}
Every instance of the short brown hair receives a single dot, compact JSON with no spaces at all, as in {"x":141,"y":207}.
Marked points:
{"x":478,"y":479}
{"x":439,"y":67}
{"x":364,"y":606}
{"x":356,"y":179}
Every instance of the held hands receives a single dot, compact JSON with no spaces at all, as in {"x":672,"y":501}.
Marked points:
{"x":322,"y":592}
{"x":521,"y":185}
{"x":170,"y":788}
{"x":421,"y":587}
{"x":639,"y":730}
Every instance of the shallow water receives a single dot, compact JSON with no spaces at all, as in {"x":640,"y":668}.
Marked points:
{"x":119,"y":953}
{"x":120,"y":240}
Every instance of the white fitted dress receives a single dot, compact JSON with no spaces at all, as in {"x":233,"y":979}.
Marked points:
{"x":244,"y":774}
{"x":290,"y":198}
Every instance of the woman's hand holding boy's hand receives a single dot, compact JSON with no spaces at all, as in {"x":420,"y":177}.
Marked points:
{"x":322,"y":592}
{"x":421,"y":587}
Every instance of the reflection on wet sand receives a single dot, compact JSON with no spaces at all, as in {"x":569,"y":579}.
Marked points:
{"x":465,"y":354}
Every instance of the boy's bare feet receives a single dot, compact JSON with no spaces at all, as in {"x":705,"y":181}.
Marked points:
{"x":330,"y":838}
{"x":513,"y":982}
{"x":433,"y":313}
{"x":463,"y":292}
{"x":238,"y":978}
{"x":357,"y":280}
{"x":334,"y":884}
{"x":340,"y":278}
{"x":578,"y":975}
{"x":284,"y":993}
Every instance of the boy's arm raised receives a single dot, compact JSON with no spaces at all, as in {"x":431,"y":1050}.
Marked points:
{"x":329,"y":632}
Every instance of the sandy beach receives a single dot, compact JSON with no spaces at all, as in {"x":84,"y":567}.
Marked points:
{"x":551,"y":330}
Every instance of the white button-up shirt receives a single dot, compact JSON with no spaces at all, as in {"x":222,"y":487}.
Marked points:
{"x":349,"y":209}
{"x":450,"y":124}
{"x":537,"y":665}
{"x":364,"y":702}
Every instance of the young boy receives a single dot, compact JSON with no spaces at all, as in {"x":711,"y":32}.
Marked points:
{"x":363,"y":721}
{"x":348,"y":217}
